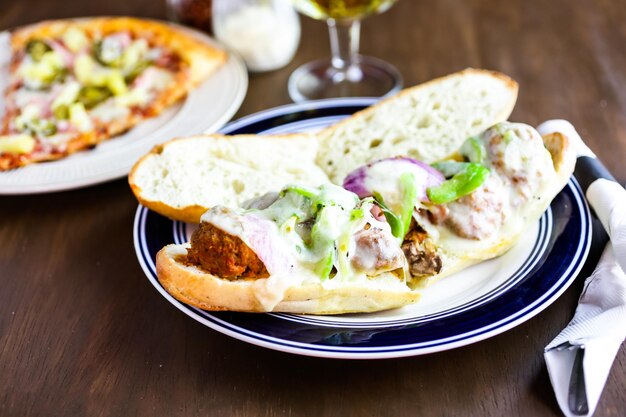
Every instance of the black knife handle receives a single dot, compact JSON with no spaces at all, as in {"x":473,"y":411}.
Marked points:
{"x":588,"y":170}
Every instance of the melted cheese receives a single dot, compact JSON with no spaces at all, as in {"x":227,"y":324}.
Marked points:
{"x":522,"y":174}
{"x":282,"y":250}
{"x":56,"y":142}
{"x":151,"y":82}
{"x":45,"y":88}
{"x":384,"y":178}
{"x":264,"y":238}
{"x":109,"y":111}
{"x":37,"y":98}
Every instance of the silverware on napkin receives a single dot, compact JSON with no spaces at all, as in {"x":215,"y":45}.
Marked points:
{"x":580,"y":357}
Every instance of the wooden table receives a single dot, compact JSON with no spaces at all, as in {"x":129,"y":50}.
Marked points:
{"x":82,"y":332}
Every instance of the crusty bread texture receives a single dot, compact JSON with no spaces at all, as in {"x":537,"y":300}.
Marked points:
{"x":428,"y":122}
{"x":193,"y":286}
{"x":183,"y":178}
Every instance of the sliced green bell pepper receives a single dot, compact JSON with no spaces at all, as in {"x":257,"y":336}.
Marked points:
{"x":459,"y":185}
{"x":303,"y":191}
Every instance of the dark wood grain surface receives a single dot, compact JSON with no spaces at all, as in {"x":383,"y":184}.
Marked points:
{"x":82,"y":332}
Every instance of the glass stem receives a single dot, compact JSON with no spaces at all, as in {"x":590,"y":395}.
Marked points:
{"x":344,"y":45}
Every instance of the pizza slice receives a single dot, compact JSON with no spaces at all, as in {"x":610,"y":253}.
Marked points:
{"x":75,"y":83}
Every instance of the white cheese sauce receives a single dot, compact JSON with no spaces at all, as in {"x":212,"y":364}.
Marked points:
{"x":518,"y":155}
{"x":521,"y":174}
{"x":286,"y":256}
{"x":384,"y":178}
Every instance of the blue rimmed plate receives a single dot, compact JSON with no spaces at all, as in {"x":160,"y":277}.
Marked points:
{"x":472,"y":305}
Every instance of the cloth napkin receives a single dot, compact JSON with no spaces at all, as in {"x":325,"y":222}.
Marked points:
{"x":580,"y":357}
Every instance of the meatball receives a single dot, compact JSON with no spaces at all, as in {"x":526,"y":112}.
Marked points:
{"x":376,"y":252}
{"x":224,"y":255}
{"x":478,"y":215}
{"x":518,"y":154}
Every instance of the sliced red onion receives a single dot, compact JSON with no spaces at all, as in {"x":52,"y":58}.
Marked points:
{"x":383,"y":177}
{"x":66,"y":55}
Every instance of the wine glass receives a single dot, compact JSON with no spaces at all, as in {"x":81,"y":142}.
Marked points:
{"x":346,"y":73}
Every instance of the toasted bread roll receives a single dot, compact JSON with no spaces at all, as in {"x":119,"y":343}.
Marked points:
{"x":196,"y":287}
{"x":311,"y":250}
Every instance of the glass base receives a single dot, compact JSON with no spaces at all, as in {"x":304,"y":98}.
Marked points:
{"x":368,"y":77}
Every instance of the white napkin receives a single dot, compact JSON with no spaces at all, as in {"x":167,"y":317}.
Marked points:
{"x":589,"y":343}
{"x":598,"y":327}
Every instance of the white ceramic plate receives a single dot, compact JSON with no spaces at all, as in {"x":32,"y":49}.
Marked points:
{"x":472,"y":305}
{"x":206,"y":108}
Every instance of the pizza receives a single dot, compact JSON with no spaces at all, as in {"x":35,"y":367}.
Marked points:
{"x":75,"y":83}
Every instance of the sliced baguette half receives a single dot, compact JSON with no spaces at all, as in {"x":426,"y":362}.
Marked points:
{"x":183,"y":178}
{"x":428,"y":122}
